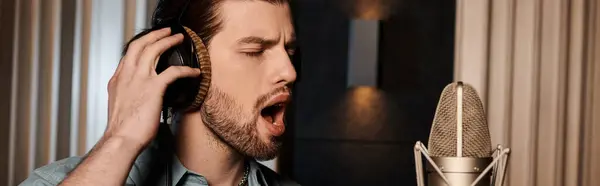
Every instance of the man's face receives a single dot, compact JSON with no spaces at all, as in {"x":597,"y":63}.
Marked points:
{"x":251,"y":72}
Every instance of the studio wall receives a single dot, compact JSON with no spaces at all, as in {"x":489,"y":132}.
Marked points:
{"x":364,"y":135}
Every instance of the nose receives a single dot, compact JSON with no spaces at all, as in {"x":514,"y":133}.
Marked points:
{"x":285,"y":71}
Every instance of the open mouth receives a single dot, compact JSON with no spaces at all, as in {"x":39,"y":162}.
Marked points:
{"x":274,"y":112}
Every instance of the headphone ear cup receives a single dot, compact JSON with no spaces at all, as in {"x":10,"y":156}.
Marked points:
{"x":186,"y":94}
{"x":181,"y":92}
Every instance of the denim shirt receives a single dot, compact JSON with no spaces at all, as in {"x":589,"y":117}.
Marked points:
{"x":54,"y":173}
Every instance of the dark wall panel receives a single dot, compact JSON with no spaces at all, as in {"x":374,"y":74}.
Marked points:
{"x":416,"y":59}
{"x":353,"y":163}
{"x":358,"y":113}
{"x":365,"y":136}
{"x":323,"y":38}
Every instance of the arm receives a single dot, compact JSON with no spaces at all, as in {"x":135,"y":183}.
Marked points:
{"x":135,"y":96}
{"x":107,"y":164}
{"x":54,"y":173}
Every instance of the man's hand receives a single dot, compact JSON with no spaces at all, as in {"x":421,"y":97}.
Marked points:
{"x":135,"y":92}
{"x":135,"y":102}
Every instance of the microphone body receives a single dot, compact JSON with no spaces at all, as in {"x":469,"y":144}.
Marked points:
{"x":460,"y":151}
{"x":459,"y":171}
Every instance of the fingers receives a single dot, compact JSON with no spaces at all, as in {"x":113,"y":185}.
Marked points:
{"x":175,"y":72}
{"x":152,"y":52}
{"x":136,"y":47}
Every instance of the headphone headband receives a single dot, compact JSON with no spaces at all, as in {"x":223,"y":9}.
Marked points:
{"x":183,"y":11}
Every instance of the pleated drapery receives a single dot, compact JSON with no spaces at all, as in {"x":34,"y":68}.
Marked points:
{"x":536,"y":65}
{"x":57,"y":56}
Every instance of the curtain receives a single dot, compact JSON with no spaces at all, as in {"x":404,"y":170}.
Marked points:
{"x":534,"y":62}
{"x":57,"y":56}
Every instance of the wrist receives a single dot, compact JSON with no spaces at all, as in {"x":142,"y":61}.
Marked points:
{"x":122,"y":144}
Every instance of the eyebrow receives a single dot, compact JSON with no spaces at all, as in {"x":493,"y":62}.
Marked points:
{"x":265,"y":42}
{"x":257,"y":40}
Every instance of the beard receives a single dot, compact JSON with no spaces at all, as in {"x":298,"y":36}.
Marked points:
{"x":235,"y":128}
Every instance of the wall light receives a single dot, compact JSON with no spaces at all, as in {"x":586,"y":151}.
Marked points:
{"x":363,"y":49}
{"x":363,"y":41}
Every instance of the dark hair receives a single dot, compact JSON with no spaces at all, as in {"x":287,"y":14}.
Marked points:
{"x":202,"y":16}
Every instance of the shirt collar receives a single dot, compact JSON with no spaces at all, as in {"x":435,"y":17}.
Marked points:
{"x":178,"y":171}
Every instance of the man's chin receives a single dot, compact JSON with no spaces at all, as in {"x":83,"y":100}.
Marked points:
{"x":265,"y":157}
{"x":264,"y":152}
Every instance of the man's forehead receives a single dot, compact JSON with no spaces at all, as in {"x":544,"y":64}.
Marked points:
{"x":257,"y":18}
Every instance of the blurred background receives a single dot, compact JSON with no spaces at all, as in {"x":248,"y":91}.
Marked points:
{"x":370,"y":75}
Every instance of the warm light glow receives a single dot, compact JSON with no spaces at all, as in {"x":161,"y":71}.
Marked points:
{"x":371,"y":9}
{"x":363,"y":96}
{"x":363,"y":104}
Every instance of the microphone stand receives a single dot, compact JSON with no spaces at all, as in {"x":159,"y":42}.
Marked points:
{"x":500,"y":160}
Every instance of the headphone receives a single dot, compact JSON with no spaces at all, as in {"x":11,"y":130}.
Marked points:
{"x":186,"y":94}
{"x":183,"y":95}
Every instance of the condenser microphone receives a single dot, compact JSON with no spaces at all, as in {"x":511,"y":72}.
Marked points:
{"x":460,"y":151}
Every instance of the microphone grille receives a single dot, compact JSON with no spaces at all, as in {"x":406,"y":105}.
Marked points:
{"x":476,"y":135}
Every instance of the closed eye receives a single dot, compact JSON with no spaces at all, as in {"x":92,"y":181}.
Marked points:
{"x":254,"y":54}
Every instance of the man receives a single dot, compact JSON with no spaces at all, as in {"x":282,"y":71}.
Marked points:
{"x":249,"y":43}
